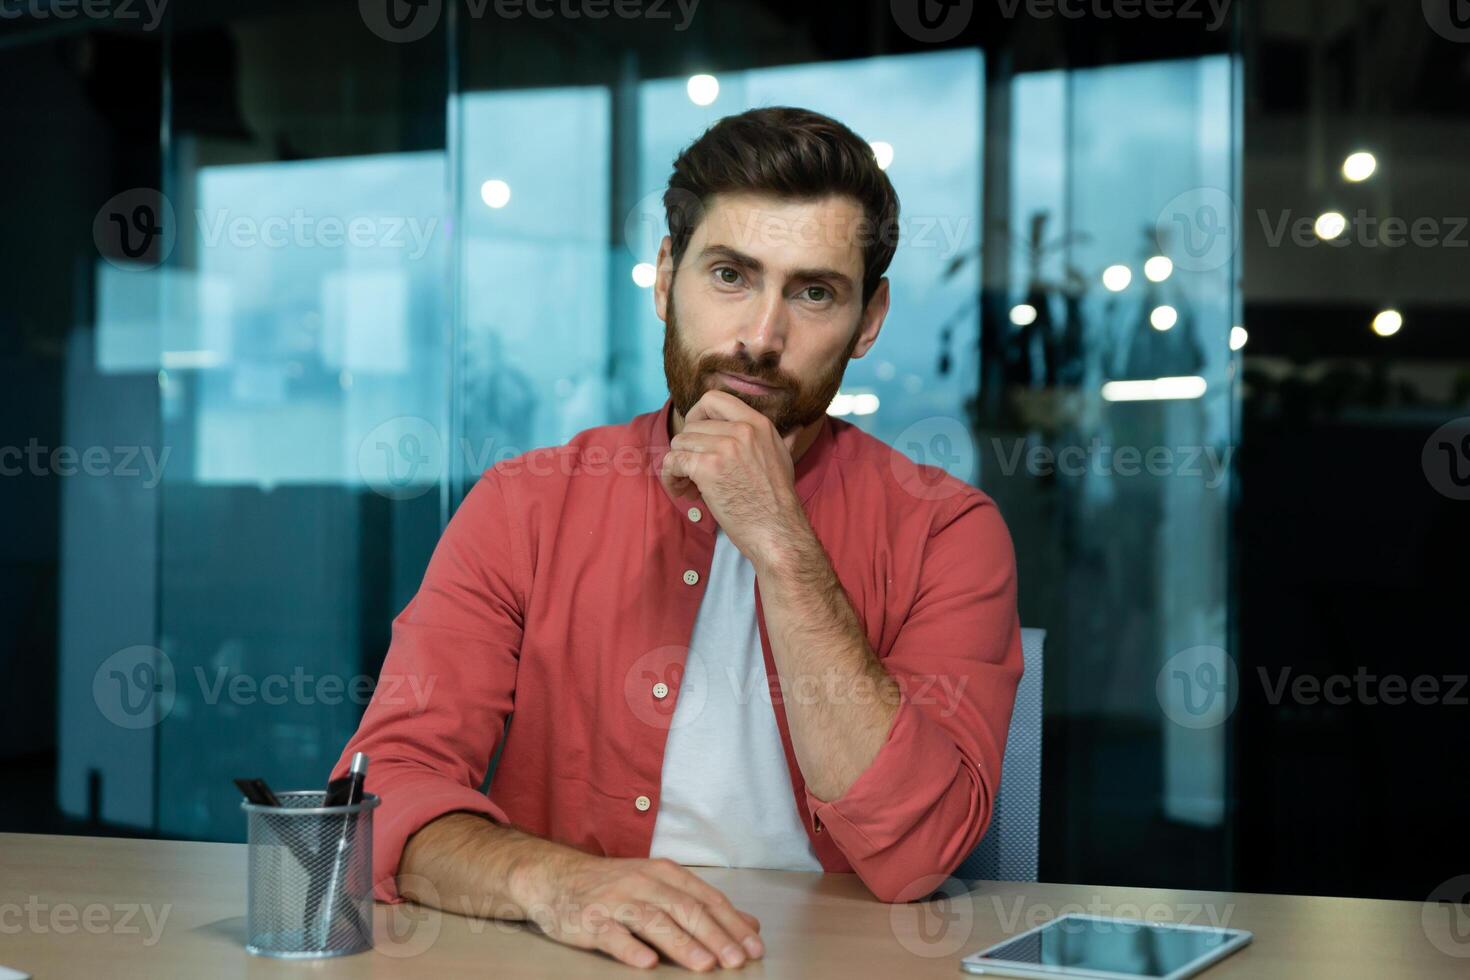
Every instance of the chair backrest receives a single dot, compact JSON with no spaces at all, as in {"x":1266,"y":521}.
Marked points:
{"x":1008,"y":851}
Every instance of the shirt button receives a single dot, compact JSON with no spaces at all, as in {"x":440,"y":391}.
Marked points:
{"x":694,"y":514}
{"x":660,"y":690}
{"x":643,"y":803}
{"x":690,"y":576}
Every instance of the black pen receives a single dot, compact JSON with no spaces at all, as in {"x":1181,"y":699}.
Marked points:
{"x":257,"y":792}
{"x":357,"y":778}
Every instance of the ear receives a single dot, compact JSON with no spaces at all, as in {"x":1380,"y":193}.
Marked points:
{"x":872,"y":318}
{"x":663,"y":279}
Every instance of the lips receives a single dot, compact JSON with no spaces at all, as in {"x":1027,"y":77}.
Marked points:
{"x":748,"y":385}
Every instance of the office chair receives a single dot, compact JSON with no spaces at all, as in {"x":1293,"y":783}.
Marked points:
{"x":1008,"y":851}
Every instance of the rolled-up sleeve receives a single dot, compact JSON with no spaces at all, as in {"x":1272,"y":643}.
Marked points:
{"x":447,"y":683}
{"x":923,"y":803}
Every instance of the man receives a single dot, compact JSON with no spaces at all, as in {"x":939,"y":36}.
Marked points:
{"x":732,"y":632}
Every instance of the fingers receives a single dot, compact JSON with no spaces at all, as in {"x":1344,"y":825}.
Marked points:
{"x":619,"y":943}
{"x":717,"y":404}
{"x":696,"y":442}
{"x":739,"y":926}
{"x":675,"y":473}
{"x":658,"y":928}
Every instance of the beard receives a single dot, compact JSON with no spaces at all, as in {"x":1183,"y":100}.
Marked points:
{"x":790,"y":404}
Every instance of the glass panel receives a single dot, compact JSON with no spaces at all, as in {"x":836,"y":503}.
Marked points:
{"x":533,"y":224}
{"x":1118,"y":494}
{"x":306,"y":398}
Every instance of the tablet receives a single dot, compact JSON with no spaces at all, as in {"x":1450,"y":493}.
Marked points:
{"x":1102,"y":948}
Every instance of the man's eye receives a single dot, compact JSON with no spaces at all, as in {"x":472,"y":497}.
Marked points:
{"x":721,"y":273}
{"x":826,"y":293}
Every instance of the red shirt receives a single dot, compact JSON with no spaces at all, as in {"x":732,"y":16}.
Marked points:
{"x":565,"y":589}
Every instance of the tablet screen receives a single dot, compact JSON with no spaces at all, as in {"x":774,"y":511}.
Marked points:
{"x":1111,"y":946}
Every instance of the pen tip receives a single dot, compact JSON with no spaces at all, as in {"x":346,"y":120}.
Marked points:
{"x":360,"y":762}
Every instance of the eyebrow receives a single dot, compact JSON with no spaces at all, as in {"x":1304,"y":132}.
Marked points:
{"x":754,"y":264}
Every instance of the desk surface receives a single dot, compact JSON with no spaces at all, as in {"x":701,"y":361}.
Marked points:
{"x":93,"y":906}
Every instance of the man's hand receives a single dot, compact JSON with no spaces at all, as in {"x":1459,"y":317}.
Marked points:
{"x":630,"y":907}
{"x":742,"y":468}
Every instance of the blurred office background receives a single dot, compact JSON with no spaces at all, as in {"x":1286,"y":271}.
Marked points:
{"x":281,"y":278}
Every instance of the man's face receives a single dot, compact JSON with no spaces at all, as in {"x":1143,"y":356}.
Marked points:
{"x":772,"y":290}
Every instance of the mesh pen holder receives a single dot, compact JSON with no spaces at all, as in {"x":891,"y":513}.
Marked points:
{"x":310,"y":880}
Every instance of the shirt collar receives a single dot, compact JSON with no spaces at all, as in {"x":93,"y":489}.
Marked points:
{"x":811,"y":469}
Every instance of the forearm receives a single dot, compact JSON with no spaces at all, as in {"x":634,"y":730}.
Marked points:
{"x":840,"y":703}
{"x":464,"y":862}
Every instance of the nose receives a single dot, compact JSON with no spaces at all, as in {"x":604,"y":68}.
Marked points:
{"x":764,"y":336}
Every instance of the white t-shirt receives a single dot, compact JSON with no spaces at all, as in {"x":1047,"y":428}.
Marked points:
{"x":726,"y":797}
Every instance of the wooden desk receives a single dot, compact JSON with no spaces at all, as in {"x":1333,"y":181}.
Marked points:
{"x":102,"y":907}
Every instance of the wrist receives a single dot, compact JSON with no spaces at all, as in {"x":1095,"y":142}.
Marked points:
{"x":781,"y":555}
{"x":535,"y":875}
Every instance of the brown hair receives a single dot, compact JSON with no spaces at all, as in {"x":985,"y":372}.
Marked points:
{"x":791,"y":153}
